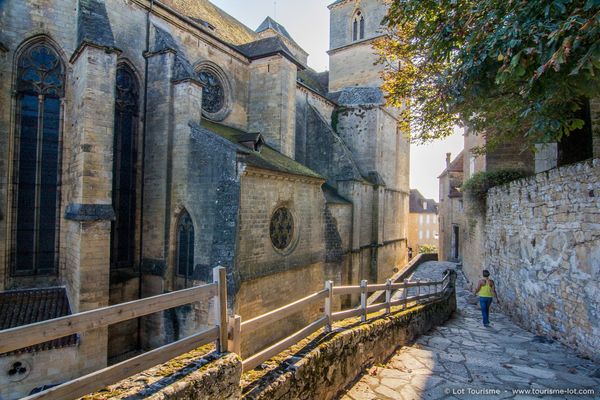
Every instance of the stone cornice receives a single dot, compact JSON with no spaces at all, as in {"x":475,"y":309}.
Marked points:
{"x":368,"y":41}
{"x":281,"y":176}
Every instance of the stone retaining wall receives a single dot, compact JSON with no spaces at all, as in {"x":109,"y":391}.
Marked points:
{"x":319,"y":371}
{"x":543,"y":249}
{"x":328,"y":368}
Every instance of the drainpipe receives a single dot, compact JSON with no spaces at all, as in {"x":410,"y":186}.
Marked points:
{"x":139,"y":330}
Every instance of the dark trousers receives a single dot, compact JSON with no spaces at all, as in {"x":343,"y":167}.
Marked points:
{"x":485,"y":303}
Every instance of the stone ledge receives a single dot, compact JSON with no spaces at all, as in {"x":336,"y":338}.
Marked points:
{"x":327,"y":368}
{"x":89,"y":212}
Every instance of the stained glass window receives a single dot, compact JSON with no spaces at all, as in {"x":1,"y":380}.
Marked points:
{"x":213,"y":94}
{"x":185,"y":246}
{"x":40,"y":87}
{"x":282,"y":228}
{"x":124,"y":168}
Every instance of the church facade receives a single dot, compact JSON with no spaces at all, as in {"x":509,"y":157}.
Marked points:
{"x":144,"y":142}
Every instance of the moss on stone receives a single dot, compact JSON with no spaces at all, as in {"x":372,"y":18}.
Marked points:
{"x":267,"y":158}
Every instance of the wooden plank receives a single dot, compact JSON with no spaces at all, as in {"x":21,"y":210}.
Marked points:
{"x":388,"y":295}
{"x":340,"y":315}
{"x":396,"y":286}
{"x":235,"y":334}
{"x":363,"y":299}
{"x":220,"y":302}
{"x":257,"y":359}
{"x":115,"y":373}
{"x":40,"y":332}
{"x":375,"y":288}
{"x":329,"y":304}
{"x":376,"y":307}
{"x":259,"y":322}
{"x":340,"y":290}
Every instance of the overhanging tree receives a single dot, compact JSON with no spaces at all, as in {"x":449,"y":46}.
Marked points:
{"x":513,"y":69}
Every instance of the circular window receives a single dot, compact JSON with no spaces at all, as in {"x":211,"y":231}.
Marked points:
{"x":282,"y":228}
{"x":213,"y":94}
{"x":216,"y":91}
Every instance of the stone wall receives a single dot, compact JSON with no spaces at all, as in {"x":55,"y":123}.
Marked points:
{"x":324,"y":369}
{"x":542,"y":246}
{"x":352,"y":63}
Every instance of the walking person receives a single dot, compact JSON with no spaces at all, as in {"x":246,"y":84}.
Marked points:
{"x":486,"y":290}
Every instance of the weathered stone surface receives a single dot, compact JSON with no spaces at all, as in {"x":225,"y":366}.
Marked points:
{"x":519,"y":363}
{"x":541,"y":241}
{"x":352,"y":349}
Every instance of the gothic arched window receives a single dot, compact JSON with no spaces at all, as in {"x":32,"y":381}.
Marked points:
{"x":362,"y":27}
{"x":185,"y":246}
{"x":124,"y":168}
{"x":40,"y":88}
{"x":358,"y":26}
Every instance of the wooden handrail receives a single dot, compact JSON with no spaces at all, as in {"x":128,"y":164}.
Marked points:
{"x":255,"y":323}
{"x":340,"y":290}
{"x":115,"y":373}
{"x":40,"y":332}
{"x":264,"y":355}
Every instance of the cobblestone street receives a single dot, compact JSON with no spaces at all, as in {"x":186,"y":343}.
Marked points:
{"x":462,"y":359}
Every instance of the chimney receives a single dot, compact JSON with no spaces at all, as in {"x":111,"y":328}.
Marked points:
{"x":448,"y":156}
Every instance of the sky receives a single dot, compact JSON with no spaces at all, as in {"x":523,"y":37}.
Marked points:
{"x":307,"y":21}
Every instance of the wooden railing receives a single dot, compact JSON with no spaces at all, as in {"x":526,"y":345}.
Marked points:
{"x":28,"y":335}
{"x":226,"y":333}
{"x":425,"y":291}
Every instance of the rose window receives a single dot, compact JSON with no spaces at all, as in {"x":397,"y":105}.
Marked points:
{"x":213,"y":94}
{"x":282,"y":228}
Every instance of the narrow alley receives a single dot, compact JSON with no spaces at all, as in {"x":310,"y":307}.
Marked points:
{"x":464,"y":360}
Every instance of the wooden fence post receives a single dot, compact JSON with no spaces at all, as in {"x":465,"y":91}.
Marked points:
{"x":405,"y":294}
{"x":388,"y":296}
{"x":329,"y":305}
{"x":235,"y":335}
{"x":220,"y":303}
{"x":363,"y":300}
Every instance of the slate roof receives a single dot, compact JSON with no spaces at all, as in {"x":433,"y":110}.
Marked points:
{"x":416,"y":200}
{"x":270,"y":23}
{"x":317,"y":81}
{"x":23,"y":307}
{"x":332,"y":196}
{"x":268,"y":158}
{"x":226,"y":27}
{"x":267,"y":47}
{"x":93,"y":25}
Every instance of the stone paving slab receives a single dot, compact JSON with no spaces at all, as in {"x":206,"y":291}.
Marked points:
{"x":464,"y":360}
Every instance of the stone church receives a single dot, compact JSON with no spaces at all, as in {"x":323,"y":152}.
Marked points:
{"x":144,"y":142}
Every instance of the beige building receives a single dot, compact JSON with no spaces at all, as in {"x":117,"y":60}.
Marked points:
{"x":423,"y":226}
{"x":143,"y":143}
{"x":451,"y":210}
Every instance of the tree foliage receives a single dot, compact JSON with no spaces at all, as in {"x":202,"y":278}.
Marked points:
{"x":513,"y":69}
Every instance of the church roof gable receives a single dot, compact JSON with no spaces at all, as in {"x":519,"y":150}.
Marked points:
{"x":270,"y":23}
{"x":268,"y":158}
{"x":267,"y":47}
